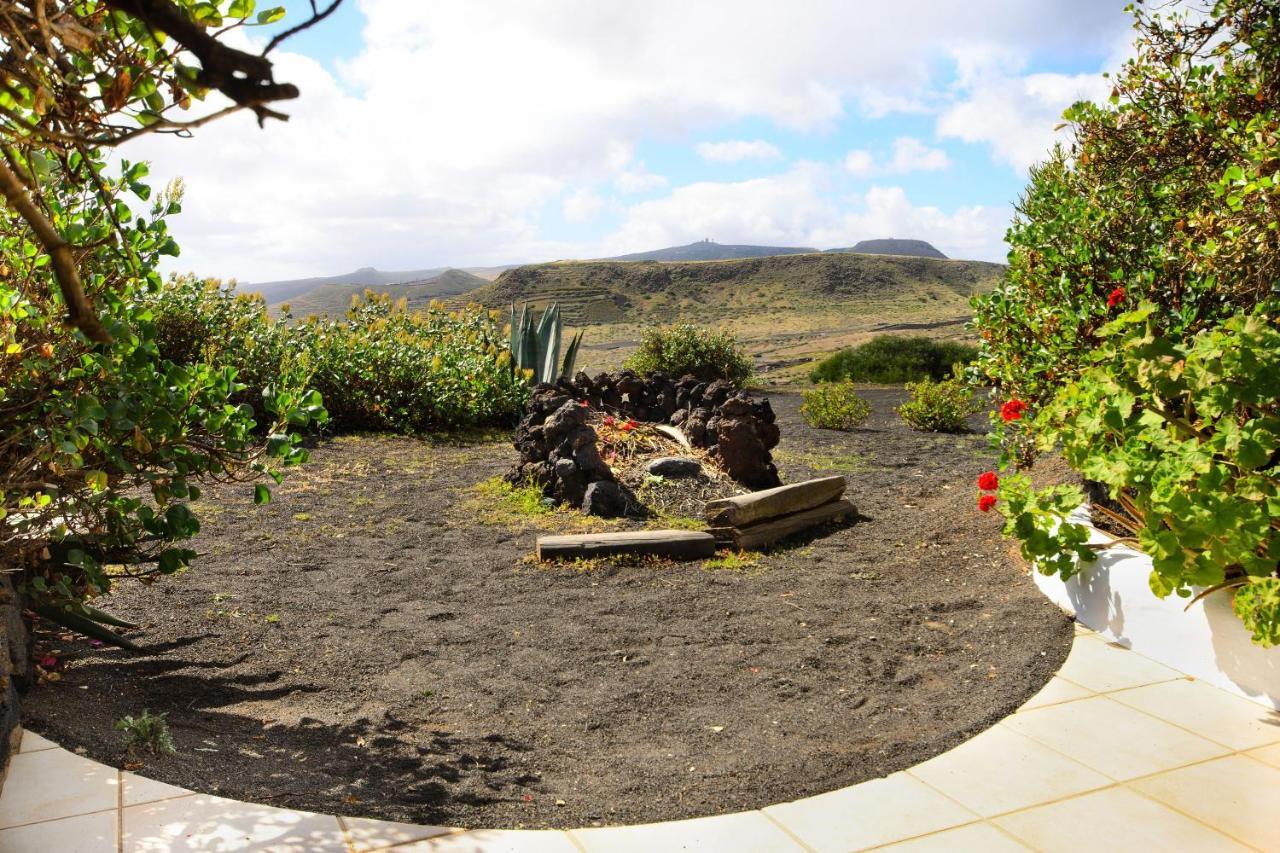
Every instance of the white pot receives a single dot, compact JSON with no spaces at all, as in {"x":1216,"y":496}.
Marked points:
{"x":1206,"y":641}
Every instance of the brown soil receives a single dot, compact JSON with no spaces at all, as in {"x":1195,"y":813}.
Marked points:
{"x":367,"y":645}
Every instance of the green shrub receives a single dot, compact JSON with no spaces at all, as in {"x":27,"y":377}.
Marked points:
{"x":1134,"y":329}
{"x":147,"y":731}
{"x":380,"y":367}
{"x":892,"y":359}
{"x":686,"y":349}
{"x":939,"y":406}
{"x":387,"y":369}
{"x":106,"y":444}
{"x":834,"y":405}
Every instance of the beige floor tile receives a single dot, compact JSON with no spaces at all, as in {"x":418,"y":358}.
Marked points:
{"x":1112,"y":738}
{"x":139,"y":790}
{"x":1115,"y":819}
{"x":1058,"y":690}
{"x":201,"y":822}
{"x":746,"y":832}
{"x":32,"y":742}
{"x":54,"y":783}
{"x":366,"y":834}
{"x":869,"y":814}
{"x":1100,"y":666}
{"x":1208,"y":711}
{"x":90,"y":833}
{"x":1234,"y":795}
{"x":494,"y":841}
{"x":974,"y":838}
{"x":1268,"y":754}
{"x":1000,"y":771}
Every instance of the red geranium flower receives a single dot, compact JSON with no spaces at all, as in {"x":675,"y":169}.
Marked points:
{"x":986,"y":502}
{"x":1012,"y":410}
{"x":584,"y":404}
{"x":1115,"y":298}
{"x":988,"y":480}
{"x":608,"y":420}
{"x":48,"y":661}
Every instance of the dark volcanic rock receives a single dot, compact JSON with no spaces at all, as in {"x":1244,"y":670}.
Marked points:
{"x":558,"y":447}
{"x":604,"y":499}
{"x":674,"y":467}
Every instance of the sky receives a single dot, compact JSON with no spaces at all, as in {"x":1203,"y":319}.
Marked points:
{"x":454,"y":133}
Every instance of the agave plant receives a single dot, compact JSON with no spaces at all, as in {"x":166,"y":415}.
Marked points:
{"x":538,"y":349}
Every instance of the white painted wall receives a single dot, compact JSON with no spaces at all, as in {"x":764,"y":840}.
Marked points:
{"x":1112,"y":597}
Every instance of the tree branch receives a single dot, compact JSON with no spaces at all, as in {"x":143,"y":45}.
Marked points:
{"x":80,"y":312}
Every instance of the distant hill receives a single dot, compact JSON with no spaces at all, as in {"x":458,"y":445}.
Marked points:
{"x":279,"y":291}
{"x":892,"y":246}
{"x":709,"y":251}
{"x":332,"y":296}
{"x":609,"y":291}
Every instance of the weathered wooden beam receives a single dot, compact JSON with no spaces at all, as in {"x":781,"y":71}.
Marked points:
{"x":767,"y":532}
{"x":742,"y":510}
{"x":683,"y":544}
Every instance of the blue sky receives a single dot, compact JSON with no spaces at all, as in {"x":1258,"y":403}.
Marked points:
{"x":441,"y":132}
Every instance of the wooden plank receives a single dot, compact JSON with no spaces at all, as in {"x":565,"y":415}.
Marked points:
{"x":768,"y":532}
{"x":685,"y":544}
{"x":742,"y":510}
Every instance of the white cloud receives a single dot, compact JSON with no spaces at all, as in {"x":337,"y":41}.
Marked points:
{"x":638,"y":180}
{"x":1013,"y":112}
{"x":860,"y":162}
{"x":796,"y":208}
{"x":735,"y":150}
{"x":912,"y":155}
{"x":459,"y":125}
{"x":909,"y":155}
{"x":582,"y":205}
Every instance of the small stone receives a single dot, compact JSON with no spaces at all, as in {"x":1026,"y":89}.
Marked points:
{"x":674,"y":467}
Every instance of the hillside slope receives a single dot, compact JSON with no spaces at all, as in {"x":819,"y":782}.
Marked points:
{"x":333,"y":299}
{"x":706,"y":250}
{"x":894,"y":246}
{"x":603,"y":292}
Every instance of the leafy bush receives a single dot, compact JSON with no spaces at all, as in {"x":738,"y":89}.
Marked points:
{"x":387,"y":369}
{"x":834,"y":405}
{"x":147,"y":731}
{"x":686,"y":349}
{"x":892,"y":359}
{"x":939,"y":406}
{"x":1135,"y":329}
{"x":379,"y":368}
{"x":106,"y":443}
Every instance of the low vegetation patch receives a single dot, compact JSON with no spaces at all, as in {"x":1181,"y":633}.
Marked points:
{"x":939,"y":406}
{"x":733,"y":561}
{"x":834,"y":405}
{"x":892,"y":359}
{"x":147,"y":732}
{"x":686,"y":349}
{"x":380,"y":368}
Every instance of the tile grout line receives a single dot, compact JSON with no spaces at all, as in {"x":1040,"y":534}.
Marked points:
{"x":119,"y":810}
{"x":55,"y":819}
{"x":1218,"y":829}
{"x":1191,"y":731}
{"x":785,"y":829}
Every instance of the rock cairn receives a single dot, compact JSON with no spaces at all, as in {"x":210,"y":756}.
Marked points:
{"x":558,"y":448}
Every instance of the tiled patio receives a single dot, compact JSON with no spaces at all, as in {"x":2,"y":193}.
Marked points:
{"x":1117,"y":752}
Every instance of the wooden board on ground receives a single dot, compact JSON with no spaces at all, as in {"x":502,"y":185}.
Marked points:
{"x":767,"y":532}
{"x":741,"y":510}
{"x":683,"y":544}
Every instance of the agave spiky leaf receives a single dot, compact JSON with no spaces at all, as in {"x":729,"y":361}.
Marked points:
{"x":549,"y":342}
{"x":571,"y":354}
{"x":528,"y":344}
{"x":84,"y":625}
